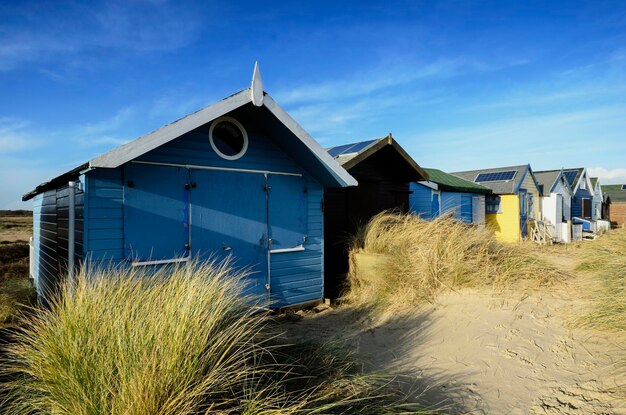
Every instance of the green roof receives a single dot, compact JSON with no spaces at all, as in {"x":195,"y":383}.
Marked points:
{"x":612,"y":188}
{"x":452,"y":183}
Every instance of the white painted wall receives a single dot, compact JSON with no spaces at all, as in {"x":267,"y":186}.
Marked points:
{"x":556,"y":209}
{"x":478,"y":210}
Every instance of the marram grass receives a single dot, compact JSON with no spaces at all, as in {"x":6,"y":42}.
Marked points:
{"x":604,"y":261}
{"x":422,"y":258}
{"x":182,"y":340}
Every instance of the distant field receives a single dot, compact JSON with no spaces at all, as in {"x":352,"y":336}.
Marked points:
{"x":15,"y":287}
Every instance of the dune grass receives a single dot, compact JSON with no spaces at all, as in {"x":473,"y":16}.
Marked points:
{"x":182,"y":340}
{"x":421,"y":258}
{"x":604,"y":261}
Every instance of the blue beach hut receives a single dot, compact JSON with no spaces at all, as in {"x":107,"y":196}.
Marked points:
{"x":238,"y":178}
{"x":445,"y":193}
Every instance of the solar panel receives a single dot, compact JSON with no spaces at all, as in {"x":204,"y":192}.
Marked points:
{"x":349,"y":148}
{"x":495,"y":176}
{"x":335,"y":151}
{"x":570,"y":176}
{"x":361,"y":146}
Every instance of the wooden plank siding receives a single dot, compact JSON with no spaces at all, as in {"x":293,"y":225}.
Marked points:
{"x":531,"y":188}
{"x":295,"y":277}
{"x":299,"y":276}
{"x":50,"y":236}
{"x":420,"y":201}
{"x":105,"y":206}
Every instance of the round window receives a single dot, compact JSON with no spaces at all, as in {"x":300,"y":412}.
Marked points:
{"x":228,"y":138}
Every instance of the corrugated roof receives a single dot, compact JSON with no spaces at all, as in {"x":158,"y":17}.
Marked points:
{"x":451,"y":183}
{"x":499,"y":187}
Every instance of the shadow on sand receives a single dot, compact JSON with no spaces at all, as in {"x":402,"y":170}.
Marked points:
{"x":391,"y":346}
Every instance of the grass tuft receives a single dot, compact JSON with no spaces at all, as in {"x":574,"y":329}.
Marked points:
{"x":181,"y":340}
{"x":604,"y":260}
{"x":414,"y":259}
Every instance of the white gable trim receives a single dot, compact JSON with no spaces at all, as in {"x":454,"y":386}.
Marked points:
{"x":584,"y":176}
{"x":309,"y":141}
{"x":142,"y":145}
{"x":163,"y":135}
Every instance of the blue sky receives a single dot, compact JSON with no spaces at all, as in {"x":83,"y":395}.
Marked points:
{"x":460,"y":84}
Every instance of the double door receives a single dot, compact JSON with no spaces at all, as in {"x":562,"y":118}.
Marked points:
{"x":174,"y":213}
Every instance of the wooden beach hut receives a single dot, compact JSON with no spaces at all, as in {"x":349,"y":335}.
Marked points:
{"x":615,"y":203}
{"x":239,"y":178}
{"x":514,"y":203}
{"x":384,"y":172}
{"x":445,"y":193}
{"x":556,"y":201}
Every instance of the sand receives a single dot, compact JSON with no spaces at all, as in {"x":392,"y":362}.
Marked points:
{"x":478,"y":352}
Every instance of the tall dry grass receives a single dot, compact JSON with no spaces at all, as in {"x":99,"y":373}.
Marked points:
{"x":419,"y":259}
{"x":604,"y":260}
{"x":181,"y":340}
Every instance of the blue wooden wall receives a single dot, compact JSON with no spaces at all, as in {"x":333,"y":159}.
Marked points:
{"x":295,"y":276}
{"x":104,"y":227}
{"x":458,"y":203}
{"x":420,"y":200}
{"x":577,"y":201}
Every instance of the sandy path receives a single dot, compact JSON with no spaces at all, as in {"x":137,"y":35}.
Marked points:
{"x":481,"y":353}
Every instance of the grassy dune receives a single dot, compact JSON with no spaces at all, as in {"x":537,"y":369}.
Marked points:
{"x":178,"y":341}
{"x":421,"y":258}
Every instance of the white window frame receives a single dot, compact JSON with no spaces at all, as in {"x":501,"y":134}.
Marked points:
{"x":243,"y":132}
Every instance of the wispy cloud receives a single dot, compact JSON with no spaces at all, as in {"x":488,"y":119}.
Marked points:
{"x":545,"y":141}
{"x":387,"y":76}
{"x":14,"y":136}
{"x":609,"y":176}
{"x":126,"y":27}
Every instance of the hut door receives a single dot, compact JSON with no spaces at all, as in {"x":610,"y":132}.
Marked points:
{"x":155,"y":212}
{"x":291,"y":281}
{"x":229,"y":220}
{"x":523,"y":215}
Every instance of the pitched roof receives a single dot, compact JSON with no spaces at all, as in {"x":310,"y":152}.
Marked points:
{"x":350,"y":155}
{"x":253,"y":95}
{"x":498,"y":187}
{"x":547,"y":179}
{"x":451,"y":183}
{"x":613,"y":187}
{"x":594,"y":181}
{"x":619,"y":197}
{"x":572,"y":174}
{"x":616,"y":192}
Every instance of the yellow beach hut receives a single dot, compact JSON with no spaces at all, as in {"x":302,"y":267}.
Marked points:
{"x":515,"y":202}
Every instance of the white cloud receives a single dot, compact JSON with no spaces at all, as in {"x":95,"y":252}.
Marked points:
{"x":77,"y":29}
{"x":609,"y":176}
{"x":389,"y":76}
{"x":14,"y":138}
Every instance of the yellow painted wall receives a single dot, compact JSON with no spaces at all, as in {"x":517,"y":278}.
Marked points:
{"x":506,"y":224}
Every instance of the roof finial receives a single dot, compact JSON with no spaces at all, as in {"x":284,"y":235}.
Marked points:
{"x":257,"y":86}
